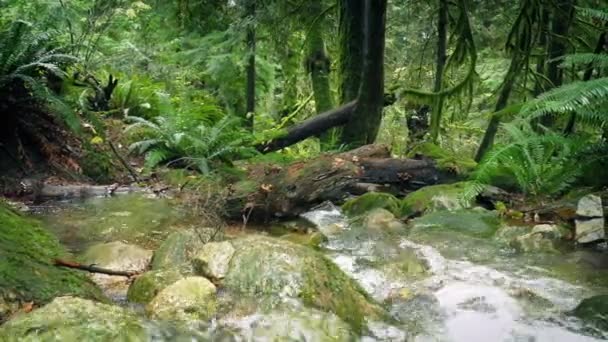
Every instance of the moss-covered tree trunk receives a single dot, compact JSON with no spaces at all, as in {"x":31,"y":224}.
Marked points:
{"x":318,"y":66}
{"x":363,"y":126}
{"x":351,"y":37}
{"x":251,"y":45}
{"x":442,"y":37}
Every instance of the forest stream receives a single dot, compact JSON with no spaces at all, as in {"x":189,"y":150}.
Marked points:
{"x":445,"y":276}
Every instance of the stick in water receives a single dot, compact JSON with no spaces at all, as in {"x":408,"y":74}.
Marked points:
{"x":94,"y":269}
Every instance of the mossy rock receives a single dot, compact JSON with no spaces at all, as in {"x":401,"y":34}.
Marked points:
{"x":180,"y":247}
{"x":149,"y":284}
{"x":27,"y":272}
{"x":435,"y":197}
{"x":269,"y":267}
{"x":370,"y":201}
{"x":594,"y":310}
{"x":475,"y":222}
{"x":313,"y":240}
{"x":75,"y":319}
{"x":188,"y":299}
{"x":213,"y":260}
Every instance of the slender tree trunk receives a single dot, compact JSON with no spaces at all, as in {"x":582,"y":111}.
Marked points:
{"x":318,"y":66}
{"x":442,"y":37}
{"x":501,"y":103}
{"x":251,"y":45}
{"x":351,"y":40}
{"x":560,"y":25}
{"x":539,"y":85}
{"x":363,"y":126}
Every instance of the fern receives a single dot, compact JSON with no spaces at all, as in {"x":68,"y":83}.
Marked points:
{"x":541,"y":164}
{"x":586,"y":60}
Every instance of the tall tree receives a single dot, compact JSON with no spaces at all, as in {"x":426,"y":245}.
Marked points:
{"x":250,"y":8}
{"x":351,"y":38}
{"x":442,"y":37}
{"x":362,"y":128}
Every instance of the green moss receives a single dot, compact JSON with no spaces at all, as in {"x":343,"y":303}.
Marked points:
{"x":97,"y":165}
{"x":27,"y":273}
{"x":443,"y":196}
{"x":476,"y":223}
{"x":371,"y":201}
{"x":149,"y":284}
{"x":594,"y":310}
{"x":328,"y":288}
{"x":446,"y":160}
{"x":313,"y":240}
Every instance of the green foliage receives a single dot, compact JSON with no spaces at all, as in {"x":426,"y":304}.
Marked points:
{"x":541,"y":164}
{"x":178,"y":140}
{"x":28,"y":61}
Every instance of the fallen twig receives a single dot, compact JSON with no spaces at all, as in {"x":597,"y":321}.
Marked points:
{"x":94,"y":269}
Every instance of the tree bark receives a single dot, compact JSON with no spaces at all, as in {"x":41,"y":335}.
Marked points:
{"x":271,"y":191}
{"x":442,"y":37}
{"x":351,"y":38}
{"x":251,"y":73}
{"x":363,"y":126}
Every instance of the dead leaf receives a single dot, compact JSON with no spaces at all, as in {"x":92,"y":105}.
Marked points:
{"x":266,"y":187}
{"x":28,"y":307}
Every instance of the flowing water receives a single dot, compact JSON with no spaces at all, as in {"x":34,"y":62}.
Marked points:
{"x":437,"y":285}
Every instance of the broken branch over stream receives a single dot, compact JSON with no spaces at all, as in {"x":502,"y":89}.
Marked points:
{"x":94,"y":269}
{"x":285,"y":191}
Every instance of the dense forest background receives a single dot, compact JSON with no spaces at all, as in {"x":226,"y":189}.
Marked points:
{"x":519,"y":87}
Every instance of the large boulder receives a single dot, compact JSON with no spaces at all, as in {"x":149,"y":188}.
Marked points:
{"x":475,"y":222}
{"x":263,"y":267}
{"x":180,"y":247}
{"x":542,"y":238}
{"x":149,"y":284}
{"x":188,"y":299}
{"x":213,"y":260}
{"x":434,"y":198}
{"x":590,"y":219}
{"x":75,"y":319}
{"x":116,"y":256}
{"x":27,"y":272}
{"x":594,"y":310}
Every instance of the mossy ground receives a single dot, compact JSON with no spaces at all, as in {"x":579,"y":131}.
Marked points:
{"x":27,"y":272}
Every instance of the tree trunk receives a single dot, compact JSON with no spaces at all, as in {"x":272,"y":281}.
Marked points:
{"x":318,"y":66}
{"x":251,"y":45}
{"x":351,"y":38}
{"x":442,"y":36}
{"x":271,"y":191}
{"x":312,"y":127}
{"x":560,"y":25}
{"x":540,"y":83}
{"x":501,"y":103}
{"x":364,"y":124}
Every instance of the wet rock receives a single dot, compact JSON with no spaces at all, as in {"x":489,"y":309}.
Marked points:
{"x":370,"y":201}
{"x":590,"y":221}
{"x":75,"y":319}
{"x":27,"y":273}
{"x":188,"y":299}
{"x":305,"y":324}
{"x":214,"y":259}
{"x":116,"y":256}
{"x":542,"y":238}
{"x":435,"y":198}
{"x":284,"y":272}
{"x":594,"y":310}
{"x":313,"y":240}
{"x":478,"y":223}
{"x":149,"y":284}
{"x":383,"y":220}
{"x":180,"y":247}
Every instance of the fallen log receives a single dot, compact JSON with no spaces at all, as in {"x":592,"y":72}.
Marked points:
{"x":41,"y":191}
{"x":94,"y":269}
{"x":311,"y":127}
{"x":272,"y":191}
